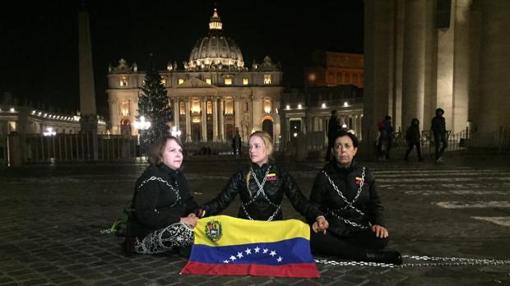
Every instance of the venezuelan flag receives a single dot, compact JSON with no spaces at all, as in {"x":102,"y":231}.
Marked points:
{"x":231,"y":246}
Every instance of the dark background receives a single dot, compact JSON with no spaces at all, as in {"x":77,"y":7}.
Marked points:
{"x":39,"y":53}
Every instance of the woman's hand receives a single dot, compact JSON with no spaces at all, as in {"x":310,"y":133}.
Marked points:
{"x":320,"y":224}
{"x":190,"y":220}
{"x":380,"y":231}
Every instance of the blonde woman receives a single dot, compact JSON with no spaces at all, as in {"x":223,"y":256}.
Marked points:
{"x":261,"y":187}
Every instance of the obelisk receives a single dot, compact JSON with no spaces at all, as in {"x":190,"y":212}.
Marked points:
{"x":88,"y":113}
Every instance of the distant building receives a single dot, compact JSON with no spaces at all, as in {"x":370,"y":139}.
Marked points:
{"x":212,"y":94}
{"x":333,"y":68}
{"x":26,"y":120}
{"x":308,"y":111}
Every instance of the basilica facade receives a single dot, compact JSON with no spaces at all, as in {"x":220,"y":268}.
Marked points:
{"x":212,"y":94}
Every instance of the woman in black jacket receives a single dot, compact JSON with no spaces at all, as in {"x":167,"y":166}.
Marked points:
{"x":261,"y":187}
{"x":346,"y":194}
{"x":163,"y":217}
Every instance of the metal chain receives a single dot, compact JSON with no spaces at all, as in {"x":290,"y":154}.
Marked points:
{"x":349,"y":204}
{"x":430,"y":262}
{"x":172,"y":188}
{"x":260,"y":191}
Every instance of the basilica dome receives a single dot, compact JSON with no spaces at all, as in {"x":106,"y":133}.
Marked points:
{"x":215,"y":51}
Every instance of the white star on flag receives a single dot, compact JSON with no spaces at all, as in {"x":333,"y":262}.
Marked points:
{"x":232,"y":258}
{"x":279,"y":259}
{"x":257,"y":249}
{"x":248,"y":251}
{"x":239,"y":255}
{"x":265,"y":250}
{"x":226,"y":261}
{"x":272,"y":253}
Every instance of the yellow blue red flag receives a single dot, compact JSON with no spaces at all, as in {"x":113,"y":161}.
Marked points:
{"x":226,"y":245}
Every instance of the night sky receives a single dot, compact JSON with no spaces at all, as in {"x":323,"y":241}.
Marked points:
{"x":39,"y":54}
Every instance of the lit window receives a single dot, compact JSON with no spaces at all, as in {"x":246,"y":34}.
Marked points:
{"x":312,"y":77}
{"x":123,"y":81}
{"x":229,"y":106}
{"x":124,"y":108}
{"x":228,"y":81}
{"x":209,"y":107}
{"x":267,"y":106}
{"x":245,"y":81}
{"x":267,"y":79}
{"x":180,"y":81}
{"x":195,"y":106}
{"x":208,"y":80}
{"x":182,"y":108}
{"x":12,"y":126}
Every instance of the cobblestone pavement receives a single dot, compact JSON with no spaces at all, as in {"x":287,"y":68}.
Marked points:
{"x":52,"y":216}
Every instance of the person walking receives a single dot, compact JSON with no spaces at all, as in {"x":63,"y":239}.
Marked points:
{"x":236,"y":143}
{"x":413,"y":139}
{"x":438,"y":128}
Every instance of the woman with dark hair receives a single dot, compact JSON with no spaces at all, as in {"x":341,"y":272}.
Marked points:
{"x":163,"y":217}
{"x":261,"y":187}
{"x":346,"y":194}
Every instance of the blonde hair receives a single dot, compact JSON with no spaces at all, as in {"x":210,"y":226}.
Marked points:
{"x":268,"y":141}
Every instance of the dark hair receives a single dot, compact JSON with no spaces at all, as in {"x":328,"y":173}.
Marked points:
{"x":333,"y":112}
{"x":440,"y":110}
{"x":415,"y":121}
{"x":345,"y":132}
{"x":157,"y":148}
{"x":387,"y":117}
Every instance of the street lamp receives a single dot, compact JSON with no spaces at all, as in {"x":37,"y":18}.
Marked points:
{"x":141,"y":124}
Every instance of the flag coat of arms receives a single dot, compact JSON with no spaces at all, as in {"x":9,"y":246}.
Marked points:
{"x":226,"y":245}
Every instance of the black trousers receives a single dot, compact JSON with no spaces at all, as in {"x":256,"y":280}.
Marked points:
{"x":353,"y":247}
{"x":411,"y":146}
{"x":441,"y":143}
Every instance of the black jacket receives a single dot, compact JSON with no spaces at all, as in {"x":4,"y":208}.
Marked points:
{"x":161,"y":198}
{"x":438,"y":125}
{"x":278,"y":184}
{"x":347,"y":180}
{"x":413,"y":134}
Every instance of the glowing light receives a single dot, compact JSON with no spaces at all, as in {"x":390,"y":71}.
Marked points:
{"x":142,"y":124}
{"x":346,"y":104}
{"x":299,"y":106}
{"x":323,"y":105}
{"x":49,"y":132}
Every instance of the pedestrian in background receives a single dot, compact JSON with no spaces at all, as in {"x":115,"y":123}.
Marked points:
{"x":438,"y":127}
{"x":413,"y":139}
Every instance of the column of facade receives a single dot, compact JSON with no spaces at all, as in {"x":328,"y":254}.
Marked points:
{"x":414,"y":70}
{"x":494,"y":70}
{"x":203,"y":109}
{"x":215,"y":118}
{"x":257,"y":112}
{"x":176,"y":113}
{"x":222,"y":120}
{"x":461,"y":74}
{"x":379,"y":33}
{"x":188,"y":120}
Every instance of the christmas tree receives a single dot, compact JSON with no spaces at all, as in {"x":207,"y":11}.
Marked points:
{"x":154,"y":107}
